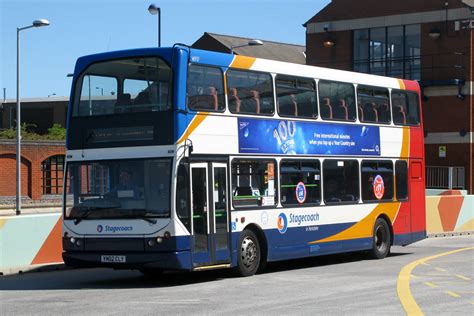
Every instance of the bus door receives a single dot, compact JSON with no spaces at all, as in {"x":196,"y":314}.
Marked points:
{"x":209,"y":205}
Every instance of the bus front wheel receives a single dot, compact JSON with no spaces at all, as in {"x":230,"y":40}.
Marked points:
{"x":249,"y":256}
{"x":381,"y":239}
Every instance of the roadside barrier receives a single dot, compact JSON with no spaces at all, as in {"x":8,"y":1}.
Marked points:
{"x":29,"y":241}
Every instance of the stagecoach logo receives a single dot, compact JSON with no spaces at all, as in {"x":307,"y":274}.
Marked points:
{"x":300,"y":192}
{"x":100,"y":228}
{"x":378,"y":186}
{"x":282,"y":223}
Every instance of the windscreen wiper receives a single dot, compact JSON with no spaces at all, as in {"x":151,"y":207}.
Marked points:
{"x":84,"y":215}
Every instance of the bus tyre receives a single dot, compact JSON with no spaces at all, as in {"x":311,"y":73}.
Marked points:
{"x":249,"y":255}
{"x":381,"y":239}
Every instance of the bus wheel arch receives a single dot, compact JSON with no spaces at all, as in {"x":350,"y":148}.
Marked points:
{"x":382,"y":238}
{"x":252,"y":231}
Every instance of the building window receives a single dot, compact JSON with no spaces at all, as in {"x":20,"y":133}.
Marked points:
{"x":53,"y":171}
{"x":388,"y":51}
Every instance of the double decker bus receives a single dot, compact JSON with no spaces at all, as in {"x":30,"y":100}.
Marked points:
{"x":187,"y":159}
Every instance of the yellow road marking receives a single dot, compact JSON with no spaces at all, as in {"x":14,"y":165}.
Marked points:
{"x":453,"y":294}
{"x":425,"y":264}
{"x":431,"y":284}
{"x":414,"y":276}
{"x":403,"y":282}
{"x":463,"y":277}
{"x":440,"y":269}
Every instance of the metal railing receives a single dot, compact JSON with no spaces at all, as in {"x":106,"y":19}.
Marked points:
{"x":438,"y":177}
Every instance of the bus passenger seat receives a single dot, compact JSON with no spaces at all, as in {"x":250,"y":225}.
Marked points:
{"x":234,"y":100}
{"x":345,"y":109}
{"x":256,"y":98}
{"x":326,"y":108}
{"x":214,"y":101}
{"x":124,"y":99}
{"x":375,"y":111}
{"x":400,"y":116}
{"x":294,"y":103}
{"x":361,"y":112}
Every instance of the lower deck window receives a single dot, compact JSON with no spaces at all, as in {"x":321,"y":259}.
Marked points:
{"x":253,"y":183}
{"x":341,"y":181}
{"x":300,"y":182}
{"x":377,"y":181}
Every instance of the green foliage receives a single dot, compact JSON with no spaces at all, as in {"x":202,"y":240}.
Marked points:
{"x":56,"y":132}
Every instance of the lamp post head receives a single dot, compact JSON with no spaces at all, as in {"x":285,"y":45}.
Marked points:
{"x":255,"y":42}
{"x":153,"y":9}
{"x":40,"y":22}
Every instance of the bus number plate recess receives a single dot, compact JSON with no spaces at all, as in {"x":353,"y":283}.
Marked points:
{"x":113,"y":259}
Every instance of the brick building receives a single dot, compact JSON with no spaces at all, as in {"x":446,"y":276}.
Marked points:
{"x":42,"y":162}
{"x":425,"y":40}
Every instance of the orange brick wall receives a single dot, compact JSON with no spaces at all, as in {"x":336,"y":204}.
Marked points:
{"x":33,"y":154}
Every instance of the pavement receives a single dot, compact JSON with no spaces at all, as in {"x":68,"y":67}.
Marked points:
{"x":336,"y":285}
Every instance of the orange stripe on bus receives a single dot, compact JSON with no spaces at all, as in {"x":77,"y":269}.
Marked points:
{"x":365,"y":227}
{"x":201,"y":116}
{"x":242,"y":62}
{"x":405,"y":143}
{"x":401,"y":84}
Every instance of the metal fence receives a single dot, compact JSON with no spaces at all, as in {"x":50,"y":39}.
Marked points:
{"x":445,"y":177}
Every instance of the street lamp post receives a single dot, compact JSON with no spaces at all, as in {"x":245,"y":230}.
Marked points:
{"x":155,"y":10}
{"x":253,"y":42}
{"x":36,"y":23}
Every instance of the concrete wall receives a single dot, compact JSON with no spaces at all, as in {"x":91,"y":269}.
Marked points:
{"x":29,"y":241}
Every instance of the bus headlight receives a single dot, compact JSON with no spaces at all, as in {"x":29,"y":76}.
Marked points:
{"x":159,"y":240}
{"x":72,"y":240}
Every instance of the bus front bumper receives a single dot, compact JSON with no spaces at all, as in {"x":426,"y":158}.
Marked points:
{"x":180,"y":260}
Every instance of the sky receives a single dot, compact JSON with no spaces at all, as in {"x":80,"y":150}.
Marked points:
{"x":82,"y":27}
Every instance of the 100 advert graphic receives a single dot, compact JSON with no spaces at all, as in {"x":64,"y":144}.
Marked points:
{"x":307,"y":138}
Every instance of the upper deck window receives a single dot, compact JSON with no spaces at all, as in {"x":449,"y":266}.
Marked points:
{"x":205,"y":89}
{"x":405,"y":108}
{"x":296,"y":96}
{"x":250,"y":92}
{"x":373,"y":104}
{"x":124,"y":85}
{"x":337,"y":101}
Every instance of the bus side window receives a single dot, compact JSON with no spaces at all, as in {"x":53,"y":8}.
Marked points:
{"x":300,"y":182}
{"x":250,"y":92}
{"x":337,"y":101}
{"x":340,"y":181}
{"x":205,"y":89}
{"x":401,"y":178}
{"x":377,"y":181}
{"x":296,"y":97}
{"x":405,"y":108}
{"x":182,"y":196}
{"x":373,"y":104}
{"x":253,"y":183}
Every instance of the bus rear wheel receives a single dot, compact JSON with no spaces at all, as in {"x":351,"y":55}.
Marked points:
{"x":249,"y":255}
{"x":381,"y":239}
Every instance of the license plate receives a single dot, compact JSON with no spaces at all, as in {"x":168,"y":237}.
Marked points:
{"x":113,"y":259}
